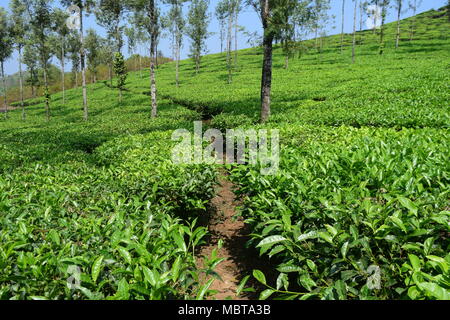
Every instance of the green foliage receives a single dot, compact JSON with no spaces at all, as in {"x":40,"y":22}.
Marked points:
{"x":96,"y":209}
{"x":120,"y":71}
{"x":197,"y":29}
{"x":119,"y":211}
{"x":353,"y":199}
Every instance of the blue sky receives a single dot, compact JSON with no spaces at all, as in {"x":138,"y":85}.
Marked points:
{"x":248,"y":19}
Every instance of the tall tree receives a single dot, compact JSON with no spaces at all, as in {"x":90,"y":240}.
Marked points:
{"x":354,"y":30}
{"x":132,"y":39}
{"x":413,"y":5}
{"x":40,"y":15}
{"x":19,"y":25}
{"x":221,"y":15}
{"x":146,"y":17}
{"x":448,"y":10}
{"x":384,"y":7}
{"x":30,"y":59}
{"x":109,"y":14}
{"x":291,"y":15}
{"x":318,"y":21}
{"x":74,"y":48}
{"x":270,"y":13}
{"x":84,"y":7}
{"x":342,"y":25}
{"x":62,"y":31}
{"x":237,"y":8}
{"x":106,"y":52}
{"x":399,"y":4}
{"x":197,"y":30}
{"x":6,"y":49}
{"x":93,"y":44}
{"x":177,"y":26}
{"x":228,"y":4}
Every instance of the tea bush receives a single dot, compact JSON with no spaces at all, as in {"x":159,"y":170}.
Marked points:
{"x":363,"y":198}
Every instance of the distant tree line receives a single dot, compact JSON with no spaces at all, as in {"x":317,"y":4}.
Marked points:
{"x":38,"y":31}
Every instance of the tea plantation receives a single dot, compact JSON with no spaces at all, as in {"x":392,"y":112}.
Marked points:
{"x":363,"y":189}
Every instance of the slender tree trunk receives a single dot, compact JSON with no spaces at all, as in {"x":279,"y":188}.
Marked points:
{"x":153,"y":39}
{"x":140,"y":64}
{"x":266,"y":79}
{"x":399,"y":12}
{"x":83,"y":70}
{"x":63,"y":73}
{"x":46,"y":93}
{"x":342,"y":28}
{"x":383,"y":19}
{"x":110,"y":74}
{"x":316,"y":36}
{"x":361,"y":15}
{"x":76,"y":79}
{"x":354,"y":31}
{"x":33,"y":88}
{"x":156,"y":52}
{"x":21,"y":84}
{"x":221,"y":37}
{"x":413,"y":21}
{"x":375,"y":18}
{"x":236,"y":36}
{"x":177,"y":59}
{"x":230,"y":30}
{"x":5,"y":103}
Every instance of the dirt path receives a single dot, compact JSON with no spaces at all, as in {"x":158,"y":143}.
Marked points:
{"x":9,"y":108}
{"x":223,"y":225}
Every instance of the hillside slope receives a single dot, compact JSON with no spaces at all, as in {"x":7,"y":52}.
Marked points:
{"x":363,"y":179}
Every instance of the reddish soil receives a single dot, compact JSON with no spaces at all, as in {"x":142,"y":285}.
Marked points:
{"x":224,"y":225}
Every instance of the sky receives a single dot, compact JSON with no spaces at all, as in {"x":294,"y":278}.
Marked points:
{"x":248,"y":19}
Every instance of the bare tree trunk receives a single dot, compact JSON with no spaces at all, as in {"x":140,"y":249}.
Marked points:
{"x":21,"y":84}
{"x":63,"y":73}
{"x":46,"y":93}
{"x":361,"y":15}
{"x":383,"y":19}
{"x":236,"y":36}
{"x":5,"y":103}
{"x":342,"y":29}
{"x":156,"y":52}
{"x":153,"y":39}
{"x":221,"y":37}
{"x":230,"y":30}
{"x":177,"y":58}
{"x":76,"y":79}
{"x":399,"y":12}
{"x":316,"y":36}
{"x":83,"y":69}
{"x":354,"y":31}
{"x":413,"y":21}
{"x":110,"y":74}
{"x":33,"y":89}
{"x":375,"y":18}
{"x":140,"y":65}
{"x":266,"y":79}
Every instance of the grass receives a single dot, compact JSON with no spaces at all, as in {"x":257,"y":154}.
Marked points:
{"x":364,"y":161}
